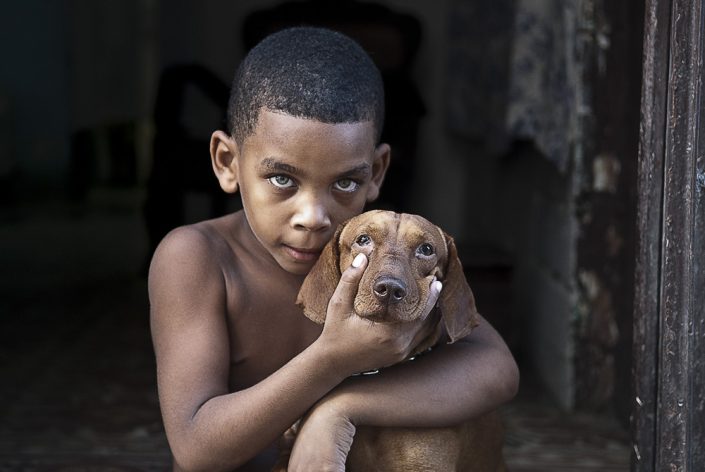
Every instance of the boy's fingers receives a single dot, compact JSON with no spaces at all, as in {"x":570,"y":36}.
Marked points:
{"x":434,"y":295}
{"x":427,"y":325}
{"x":344,"y":293}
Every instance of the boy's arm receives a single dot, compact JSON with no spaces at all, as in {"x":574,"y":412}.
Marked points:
{"x":451,"y":384}
{"x":208,"y":427}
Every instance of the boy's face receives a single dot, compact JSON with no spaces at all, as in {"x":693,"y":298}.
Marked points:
{"x":300,"y":178}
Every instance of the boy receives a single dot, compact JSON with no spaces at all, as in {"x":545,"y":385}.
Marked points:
{"x":238,"y":363}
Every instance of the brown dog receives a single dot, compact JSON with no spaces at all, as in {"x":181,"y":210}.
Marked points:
{"x":405,"y":252}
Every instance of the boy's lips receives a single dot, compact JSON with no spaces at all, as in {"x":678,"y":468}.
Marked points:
{"x":302,"y":254}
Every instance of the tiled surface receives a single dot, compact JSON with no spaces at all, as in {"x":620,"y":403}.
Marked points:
{"x":77,"y":388}
{"x":540,"y":438}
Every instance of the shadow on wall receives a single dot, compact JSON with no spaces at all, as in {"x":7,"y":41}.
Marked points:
{"x":179,"y":166}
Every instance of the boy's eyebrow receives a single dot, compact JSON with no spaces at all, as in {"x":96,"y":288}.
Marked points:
{"x":270,"y":164}
{"x":362,"y":171}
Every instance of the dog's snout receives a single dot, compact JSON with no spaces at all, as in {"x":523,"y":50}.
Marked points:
{"x":389,"y":290}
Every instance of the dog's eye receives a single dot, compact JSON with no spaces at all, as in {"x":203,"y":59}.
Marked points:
{"x":363,"y":240}
{"x":425,"y":249}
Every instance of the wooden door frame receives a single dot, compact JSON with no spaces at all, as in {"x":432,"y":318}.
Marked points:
{"x":669,"y":307}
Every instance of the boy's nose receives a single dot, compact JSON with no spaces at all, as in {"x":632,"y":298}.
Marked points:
{"x":311,"y":216}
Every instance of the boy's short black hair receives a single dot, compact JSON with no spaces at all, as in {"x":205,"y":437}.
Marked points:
{"x":306,"y":72}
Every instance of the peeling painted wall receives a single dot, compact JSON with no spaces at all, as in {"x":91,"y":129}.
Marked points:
{"x":573,"y":230}
{"x":606,"y":204}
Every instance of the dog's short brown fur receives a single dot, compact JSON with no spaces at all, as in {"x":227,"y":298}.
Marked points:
{"x":405,"y":252}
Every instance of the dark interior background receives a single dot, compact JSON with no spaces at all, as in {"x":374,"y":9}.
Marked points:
{"x":514,"y":126}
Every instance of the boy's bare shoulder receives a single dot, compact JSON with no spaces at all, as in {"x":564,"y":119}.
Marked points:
{"x":195,"y":244}
{"x":202,"y":253}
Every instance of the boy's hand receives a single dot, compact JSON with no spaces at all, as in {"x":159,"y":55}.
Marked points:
{"x":358,"y":344}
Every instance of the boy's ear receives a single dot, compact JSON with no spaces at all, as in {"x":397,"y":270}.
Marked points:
{"x":379,"y":169}
{"x":224,"y":153}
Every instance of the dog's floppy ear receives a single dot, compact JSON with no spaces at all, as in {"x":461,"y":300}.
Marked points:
{"x":457,"y":303}
{"x":321,"y":281}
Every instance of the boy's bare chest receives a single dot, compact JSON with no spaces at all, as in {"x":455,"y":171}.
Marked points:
{"x":267,"y":330}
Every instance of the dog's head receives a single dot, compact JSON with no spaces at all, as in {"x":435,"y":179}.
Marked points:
{"x":404,"y":253}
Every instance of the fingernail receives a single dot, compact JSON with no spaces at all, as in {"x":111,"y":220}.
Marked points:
{"x":359,"y":259}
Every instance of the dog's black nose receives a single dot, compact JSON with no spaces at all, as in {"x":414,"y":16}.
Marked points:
{"x":389,"y":290}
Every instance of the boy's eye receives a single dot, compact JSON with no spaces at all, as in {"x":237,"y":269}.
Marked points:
{"x":346,"y":185}
{"x":281,"y":181}
{"x":425,"y":250}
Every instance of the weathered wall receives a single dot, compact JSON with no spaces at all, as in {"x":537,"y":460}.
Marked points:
{"x":572,"y":232}
{"x":538,"y":227}
{"x":606,"y":205}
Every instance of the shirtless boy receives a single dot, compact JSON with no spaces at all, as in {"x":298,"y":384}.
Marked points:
{"x":238,"y":363}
